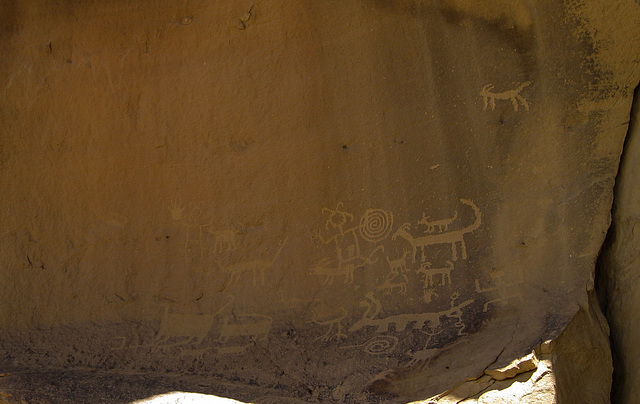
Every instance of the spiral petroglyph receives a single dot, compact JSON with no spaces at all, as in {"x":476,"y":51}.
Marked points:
{"x":380,"y":345}
{"x":376,"y":224}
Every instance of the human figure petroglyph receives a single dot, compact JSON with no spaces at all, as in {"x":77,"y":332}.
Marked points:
{"x":430,"y":274}
{"x":440,"y":225}
{"x":455,"y":237}
{"x":321,"y":316}
{"x":256,"y":267}
{"x":489,"y":97}
{"x":401,"y":321}
{"x":399,"y":264}
{"x":255,"y":326}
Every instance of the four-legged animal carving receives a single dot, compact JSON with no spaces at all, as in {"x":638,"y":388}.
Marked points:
{"x":489,"y":98}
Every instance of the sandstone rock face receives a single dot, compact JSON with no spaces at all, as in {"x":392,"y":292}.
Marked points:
{"x":372,"y":201}
{"x":620,"y":271}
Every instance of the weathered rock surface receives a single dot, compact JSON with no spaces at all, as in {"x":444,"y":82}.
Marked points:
{"x":373,"y":201}
{"x":620,"y":269}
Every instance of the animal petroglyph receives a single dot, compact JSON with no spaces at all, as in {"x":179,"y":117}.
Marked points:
{"x":437,"y":225}
{"x":224,"y":240}
{"x":425,"y":353}
{"x":375,"y":225}
{"x":401,"y":321}
{"x":394,"y":280}
{"x":430,"y":274}
{"x":455,"y":237}
{"x":256,"y":267}
{"x":255,"y":326}
{"x":400,"y":264}
{"x":320,"y":316}
{"x":489,"y":97}
{"x":507,"y":291}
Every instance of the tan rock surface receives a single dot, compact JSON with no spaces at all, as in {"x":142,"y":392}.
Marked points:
{"x":343,"y":201}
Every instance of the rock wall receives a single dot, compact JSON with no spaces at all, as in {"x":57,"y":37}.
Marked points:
{"x":619,"y":272}
{"x":369,"y":201}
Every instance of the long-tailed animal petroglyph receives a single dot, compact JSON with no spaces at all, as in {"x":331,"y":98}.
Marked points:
{"x":394,"y":280}
{"x":255,"y":326}
{"x":399,"y":264}
{"x":455,"y":237}
{"x":439,"y":225}
{"x":430,"y":274}
{"x":333,"y":319}
{"x":401,"y":321}
{"x":489,"y":97}
{"x":256,"y":267}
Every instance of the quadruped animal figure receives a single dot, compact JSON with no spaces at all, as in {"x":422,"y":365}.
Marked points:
{"x":489,"y":98}
{"x":454,"y":237}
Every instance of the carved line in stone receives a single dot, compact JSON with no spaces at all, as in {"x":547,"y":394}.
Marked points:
{"x":489,"y":97}
{"x":455,"y":238}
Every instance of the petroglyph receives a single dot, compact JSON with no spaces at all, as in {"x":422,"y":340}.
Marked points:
{"x":401,"y":321}
{"x":431,"y":273}
{"x":394,"y":280}
{"x":224,"y":240}
{"x":256,"y":267}
{"x":425,"y":353}
{"x":324,"y":268}
{"x":455,"y":237}
{"x":440,"y":225}
{"x":400,"y":264}
{"x":428,"y":295}
{"x":489,"y":97}
{"x":375,"y":225}
{"x":380,"y":344}
{"x":346,"y":269}
{"x":322,"y":316}
{"x":506,"y":291}
{"x":255,"y":326}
